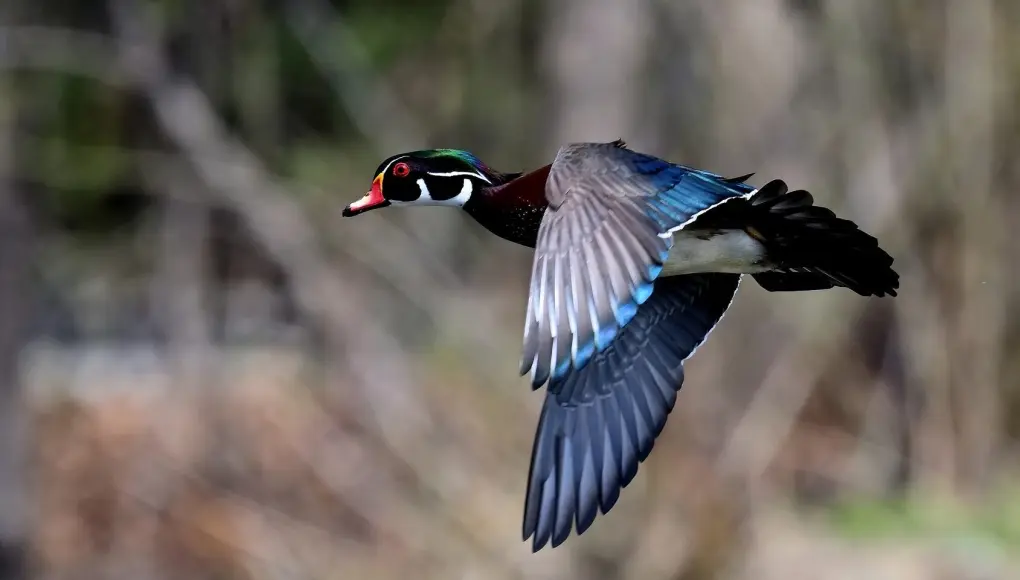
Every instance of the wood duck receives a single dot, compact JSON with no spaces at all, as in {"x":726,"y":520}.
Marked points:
{"x":636,"y":261}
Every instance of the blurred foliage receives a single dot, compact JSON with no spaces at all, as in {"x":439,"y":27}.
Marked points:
{"x":996,"y":520}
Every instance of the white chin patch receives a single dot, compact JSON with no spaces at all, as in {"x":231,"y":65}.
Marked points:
{"x":425,"y":196}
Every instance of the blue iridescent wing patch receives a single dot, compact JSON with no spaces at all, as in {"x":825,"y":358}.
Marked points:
{"x":695,"y":193}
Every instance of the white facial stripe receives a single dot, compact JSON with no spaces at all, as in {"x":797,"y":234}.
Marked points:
{"x":387,"y":168}
{"x":465,"y":173}
{"x":425,"y":198}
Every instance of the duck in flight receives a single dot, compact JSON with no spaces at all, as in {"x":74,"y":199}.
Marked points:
{"x":636,"y":261}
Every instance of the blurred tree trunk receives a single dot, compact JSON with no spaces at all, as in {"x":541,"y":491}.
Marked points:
{"x":597,"y":50}
{"x":182,"y":283}
{"x":182,"y":279}
{"x":971,"y":79}
{"x":17,"y":252}
{"x":16,"y":255}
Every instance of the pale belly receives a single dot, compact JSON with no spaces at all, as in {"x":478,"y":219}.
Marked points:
{"x":731,"y":251}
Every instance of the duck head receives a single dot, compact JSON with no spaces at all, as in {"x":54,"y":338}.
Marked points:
{"x":431,"y":177}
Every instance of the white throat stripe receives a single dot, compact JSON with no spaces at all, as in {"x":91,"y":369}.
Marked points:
{"x":465,"y":193}
{"x":426,"y":195}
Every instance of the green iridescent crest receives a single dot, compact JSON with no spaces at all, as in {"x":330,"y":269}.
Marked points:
{"x":465,"y":156}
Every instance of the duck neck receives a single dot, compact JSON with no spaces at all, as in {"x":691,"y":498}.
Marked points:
{"x":512,"y":209}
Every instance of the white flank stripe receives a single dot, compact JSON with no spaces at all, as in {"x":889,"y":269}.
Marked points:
{"x":691,"y":219}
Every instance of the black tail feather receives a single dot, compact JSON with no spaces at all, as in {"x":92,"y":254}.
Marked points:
{"x":812,"y":249}
{"x":777,"y":281}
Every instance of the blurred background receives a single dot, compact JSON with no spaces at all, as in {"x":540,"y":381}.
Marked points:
{"x":206,"y":373}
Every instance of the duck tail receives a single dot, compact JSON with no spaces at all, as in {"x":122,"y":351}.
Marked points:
{"x":812,"y":249}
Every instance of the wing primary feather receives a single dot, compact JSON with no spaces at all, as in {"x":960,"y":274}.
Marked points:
{"x":610,"y":475}
{"x":599,"y":291}
{"x":598,"y":300}
{"x":567,"y":488}
{"x":528,"y":354}
{"x":583,"y":308}
{"x":619,"y":287}
{"x":564,"y":337}
{"x":644,"y":381}
{"x":548,"y":510}
{"x":616,"y":287}
{"x":572,"y":301}
{"x":588,"y":498}
{"x":623,"y":260}
{"x":614,"y":428}
{"x":543,"y":357}
{"x":597,"y":436}
{"x":543,"y":289}
{"x":541,"y":463}
{"x":629,"y":436}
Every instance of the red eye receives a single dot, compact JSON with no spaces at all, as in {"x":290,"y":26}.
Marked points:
{"x":401,"y":169}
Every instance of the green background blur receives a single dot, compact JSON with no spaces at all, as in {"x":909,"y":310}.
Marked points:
{"x":206,"y":373}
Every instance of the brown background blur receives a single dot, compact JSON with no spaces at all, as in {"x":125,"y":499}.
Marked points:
{"x":206,"y":373}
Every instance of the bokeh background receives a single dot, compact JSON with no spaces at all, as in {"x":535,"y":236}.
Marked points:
{"x":206,"y":373}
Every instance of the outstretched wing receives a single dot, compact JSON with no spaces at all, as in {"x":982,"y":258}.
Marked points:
{"x":601,"y":244}
{"x":598,"y":423}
